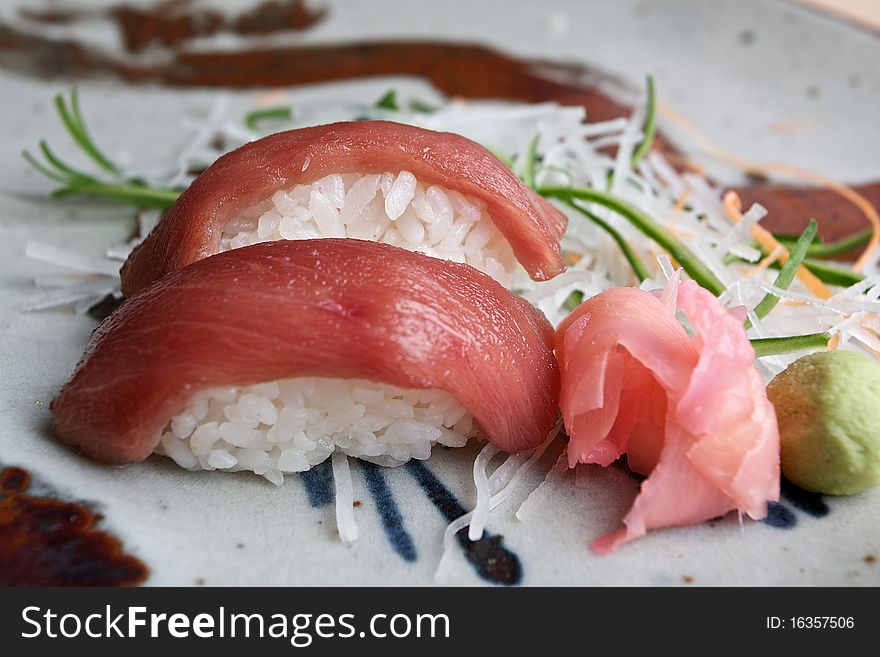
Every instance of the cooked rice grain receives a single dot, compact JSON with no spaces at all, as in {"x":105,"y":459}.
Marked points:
{"x":293,"y":424}
{"x":392,"y":208}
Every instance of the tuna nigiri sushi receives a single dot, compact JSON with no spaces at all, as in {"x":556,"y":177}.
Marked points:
{"x":689,"y":411}
{"x":433,"y":192}
{"x":270,"y":357}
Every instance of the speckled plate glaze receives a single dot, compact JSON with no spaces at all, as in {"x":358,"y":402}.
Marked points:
{"x":745,"y":72}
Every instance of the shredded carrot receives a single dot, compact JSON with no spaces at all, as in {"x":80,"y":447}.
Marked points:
{"x":868,"y":347}
{"x":678,"y":232}
{"x":834,"y":342}
{"x":571,"y":258}
{"x":685,"y":163}
{"x":270,"y":97}
{"x":846,"y":192}
{"x":679,"y":206}
{"x":681,"y":200}
{"x":793,"y":127}
{"x":765,"y":263}
{"x":733,"y":207}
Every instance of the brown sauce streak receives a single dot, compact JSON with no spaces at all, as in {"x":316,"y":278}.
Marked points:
{"x":791,"y":208}
{"x":457,"y":69}
{"x":50,"y":542}
{"x":174,"y":22}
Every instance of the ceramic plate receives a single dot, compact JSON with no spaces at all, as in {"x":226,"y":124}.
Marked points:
{"x":765,"y":79}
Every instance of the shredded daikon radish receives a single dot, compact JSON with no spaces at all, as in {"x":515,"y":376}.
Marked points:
{"x":666,"y":266}
{"x":550,"y":479}
{"x":502,"y":483}
{"x":481,"y":482}
{"x":89,"y":291}
{"x":345,"y":522}
{"x":57,"y":255}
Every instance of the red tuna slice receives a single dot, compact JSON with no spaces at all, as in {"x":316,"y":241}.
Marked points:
{"x":691,"y":412}
{"x":329,"y":308}
{"x":248,"y":175}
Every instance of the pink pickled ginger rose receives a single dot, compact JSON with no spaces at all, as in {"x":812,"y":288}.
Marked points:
{"x":689,"y":411}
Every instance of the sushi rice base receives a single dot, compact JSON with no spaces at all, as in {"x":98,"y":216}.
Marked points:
{"x":392,"y":208}
{"x":293,"y":424}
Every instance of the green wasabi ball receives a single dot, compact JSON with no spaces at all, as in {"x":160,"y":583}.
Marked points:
{"x":828,"y":405}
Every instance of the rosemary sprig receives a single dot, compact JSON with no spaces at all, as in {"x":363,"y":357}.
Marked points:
{"x":280,"y":113}
{"x":78,"y":183}
{"x":646,"y":225}
{"x":650,"y":126}
{"x":140,"y":196}
{"x":77,"y":128}
{"x":788,"y":271}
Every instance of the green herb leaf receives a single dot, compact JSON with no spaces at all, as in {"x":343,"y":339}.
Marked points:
{"x":281,"y":113}
{"x":506,"y":161}
{"x":638,"y":267}
{"x":647,"y":226}
{"x":820,"y":249}
{"x":389,"y":101}
{"x":417,"y":105}
{"x":30,"y":159}
{"x":77,"y":128}
{"x":832,"y":275}
{"x":529,"y":162}
{"x":72,"y":173}
{"x":775,"y":346}
{"x":788,"y":271}
{"x":573,"y":301}
{"x":788,"y":240}
{"x":137,"y":195}
{"x":650,"y":126}
{"x":841,"y":276}
{"x":77,"y":183}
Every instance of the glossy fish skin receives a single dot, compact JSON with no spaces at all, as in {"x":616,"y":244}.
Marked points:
{"x":690,"y":412}
{"x":192,"y":228}
{"x":330,"y":307}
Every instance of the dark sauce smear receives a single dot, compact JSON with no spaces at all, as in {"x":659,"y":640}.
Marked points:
{"x":45,"y":541}
{"x":174,"y":22}
{"x":492,"y":561}
{"x":792,"y":207}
